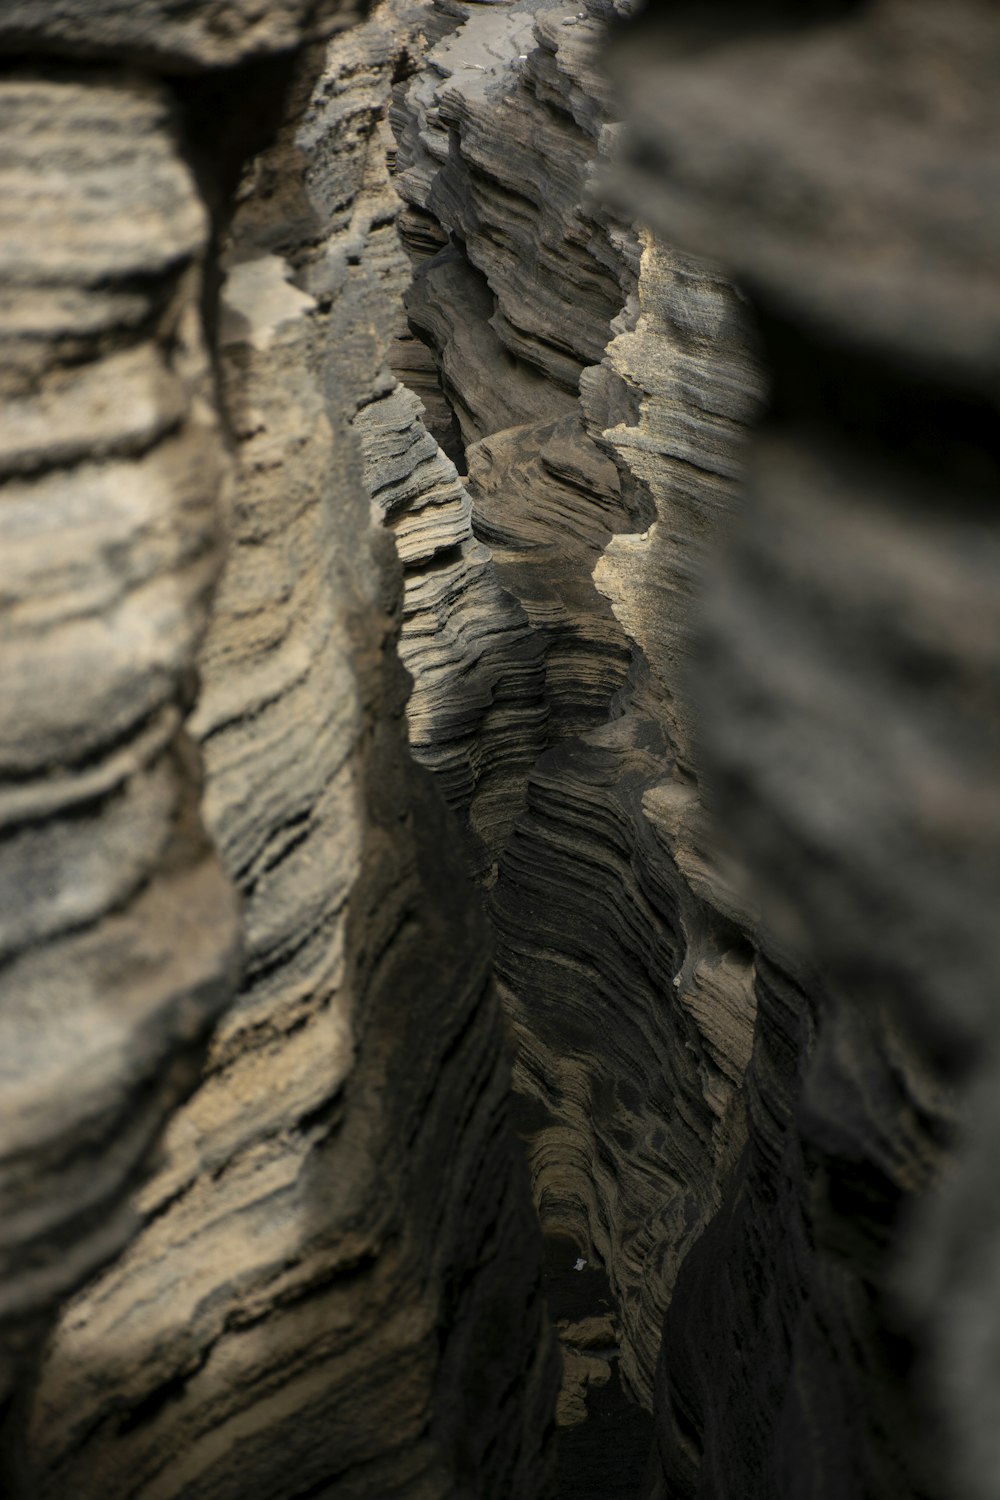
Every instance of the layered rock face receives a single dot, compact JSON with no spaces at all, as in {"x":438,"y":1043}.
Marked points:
{"x":744,"y":1036}
{"x":330,"y":1282}
{"x":684,"y":599}
{"x":120,"y":935}
{"x":601,"y":385}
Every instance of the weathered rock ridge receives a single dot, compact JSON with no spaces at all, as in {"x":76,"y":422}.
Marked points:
{"x":601,"y":384}
{"x":401,"y":499}
{"x":326,"y":1283}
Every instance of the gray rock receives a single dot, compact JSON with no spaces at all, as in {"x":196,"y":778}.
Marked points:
{"x":846,"y":722}
{"x":623,"y":970}
{"x":167,"y":35}
{"x":119,"y":934}
{"x":339,"y":1224}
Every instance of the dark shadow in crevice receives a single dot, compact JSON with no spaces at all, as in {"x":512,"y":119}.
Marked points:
{"x":605,"y":1457}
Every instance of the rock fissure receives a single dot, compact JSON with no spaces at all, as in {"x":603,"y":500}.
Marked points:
{"x":498,"y":812}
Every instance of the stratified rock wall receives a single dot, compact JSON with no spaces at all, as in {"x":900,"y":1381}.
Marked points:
{"x":368,"y":401}
{"x":332,"y":1288}
{"x":477,"y":713}
{"x":602,"y":387}
{"x":118,"y":936}
{"x":739,"y":1023}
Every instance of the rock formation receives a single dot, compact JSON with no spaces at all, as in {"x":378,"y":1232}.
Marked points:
{"x":709,"y":1004}
{"x":529,"y":447}
{"x":329,"y":1284}
{"x":849,"y":738}
{"x":120,"y":937}
{"x":605,"y":446}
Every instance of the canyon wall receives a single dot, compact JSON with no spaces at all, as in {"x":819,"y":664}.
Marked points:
{"x":743,"y":930}
{"x":327,"y":1282}
{"x":417,"y":481}
{"x":601,"y":385}
{"x":120,"y":942}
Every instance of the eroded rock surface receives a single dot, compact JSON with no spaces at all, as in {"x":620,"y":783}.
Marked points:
{"x":685,"y":595}
{"x":740,"y":1027}
{"x":330,"y":1286}
{"x":119,"y":935}
{"x":585,"y":365}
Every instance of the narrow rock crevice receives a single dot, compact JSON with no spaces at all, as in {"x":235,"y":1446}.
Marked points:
{"x":498,"y":799}
{"x":626,"y":977}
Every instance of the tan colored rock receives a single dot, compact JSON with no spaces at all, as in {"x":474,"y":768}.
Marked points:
{"x":580,"y":1372}
{"x":331,"y":1288}
{"x":119,"y":930}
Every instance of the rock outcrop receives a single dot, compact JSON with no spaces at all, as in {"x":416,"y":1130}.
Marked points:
{"x":330,"y":1285}
{"x":416,"y":478}
{"x":740,"y":1028}
{"x":119,"y":936}
{"x":602,"y":387}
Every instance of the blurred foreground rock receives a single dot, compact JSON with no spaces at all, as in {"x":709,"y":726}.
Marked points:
{"x":828,"y":1336}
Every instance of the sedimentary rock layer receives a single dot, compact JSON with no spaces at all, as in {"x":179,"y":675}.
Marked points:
{"x":838,"y":744}
{"x":624,"y":972}
{"x":477,"y":713}
{"x":710,"y":693}
{"x":118,"y":939}
{"x":332,"y":1286}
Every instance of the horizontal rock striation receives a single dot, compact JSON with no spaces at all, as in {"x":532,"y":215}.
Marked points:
{"x":375,"y":405}
{"x":119,"y":938}
{"x":729,"y":1107}
{"x":332,"y":1290}
{"x":601,"y":388}
{"x":546,"y":501}
{"x":477,"y":713}
{"x":488,"y":388}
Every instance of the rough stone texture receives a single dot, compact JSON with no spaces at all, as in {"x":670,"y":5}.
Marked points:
{"x":118,"y":935}
{"x":477,"y":713}
{"x":332,"y":1286}
{"x":740,"y":857}
{"x":488,"y":388}
{"x":836,"y":704}
{"x":624,"y":975}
